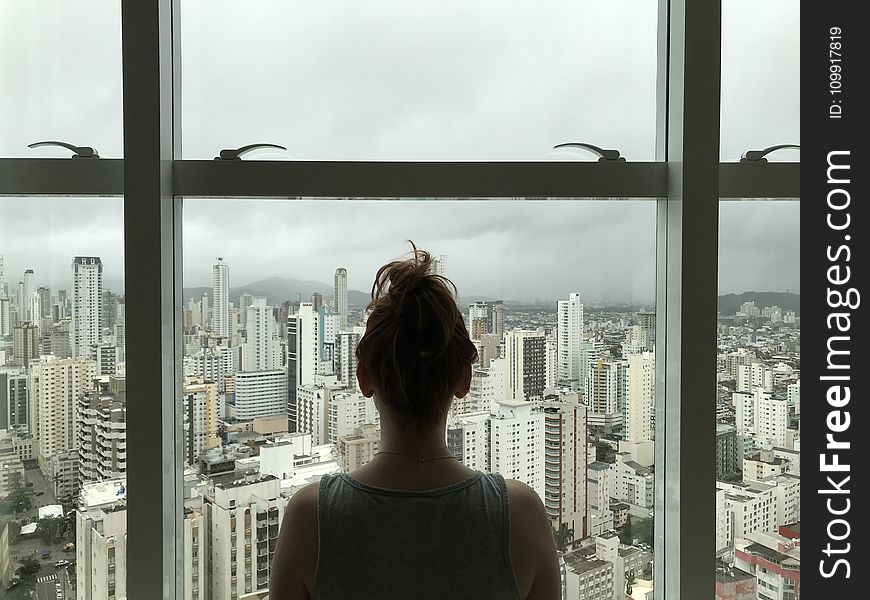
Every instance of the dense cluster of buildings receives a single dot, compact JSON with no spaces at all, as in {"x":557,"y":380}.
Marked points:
{"x":561,"y":399}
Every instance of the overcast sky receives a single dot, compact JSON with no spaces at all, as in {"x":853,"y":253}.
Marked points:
{"x":386,"y":80}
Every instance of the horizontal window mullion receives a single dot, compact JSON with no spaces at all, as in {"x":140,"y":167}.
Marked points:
{"x":419,"y":179}
{"x":759,"y":180}
{"x":62,"y":176}
{"x":39,"y":176}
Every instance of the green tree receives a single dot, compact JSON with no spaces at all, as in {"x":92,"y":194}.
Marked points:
{"x":626,"y":532}
{"x":643,"y":530}
{"x":53,"y":529}
{"x":19,"y":496}
{"x":562,"y":536}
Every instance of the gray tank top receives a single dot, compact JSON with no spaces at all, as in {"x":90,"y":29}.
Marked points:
{"x":451,"y":542}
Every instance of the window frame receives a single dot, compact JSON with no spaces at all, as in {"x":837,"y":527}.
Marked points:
{"x":686,"y":181}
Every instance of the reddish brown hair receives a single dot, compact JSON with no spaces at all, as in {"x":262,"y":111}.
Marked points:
{"x":416,"y":347}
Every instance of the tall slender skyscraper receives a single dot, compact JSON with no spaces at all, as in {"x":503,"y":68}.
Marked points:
{"x":220,"y":322}
{"x":26,"y":295}
{"x":87,"y":295}
{"x":340,"y":297}
{"x":569,"y":334}
{"x":303,"y":343}
{"x":3,"y":292}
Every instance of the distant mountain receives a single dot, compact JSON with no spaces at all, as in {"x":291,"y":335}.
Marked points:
{"x":729,"y":304}
{"x":280,"y":289}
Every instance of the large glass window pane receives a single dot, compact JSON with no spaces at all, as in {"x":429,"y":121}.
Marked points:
{"x":758,"y":401}
{"x":423,"y":80}
{"x":760,"y":77}
{"x":60,"y":72}
{"x":571,"y":281}
{"x":62,"y":398}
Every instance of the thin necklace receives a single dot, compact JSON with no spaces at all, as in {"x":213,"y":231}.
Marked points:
{"x":415,"y":457}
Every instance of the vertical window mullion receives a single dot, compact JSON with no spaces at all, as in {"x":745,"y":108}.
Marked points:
{"x":686,"y":297}
{"x":152,"y":230}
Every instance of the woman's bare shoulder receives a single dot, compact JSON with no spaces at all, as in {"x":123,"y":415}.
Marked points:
{"x":295,"y":559}
{"x":533,"y":550}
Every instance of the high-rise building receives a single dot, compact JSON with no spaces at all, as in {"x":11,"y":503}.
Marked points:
{"x":242,"y":518}
{"x":590,"y":352}
{"x":3,"y":291}
{"x":303,"y":343}
{"x":526,"y":364}
{"x":55,"y":388}
{"x":102,"y":423}
{"x":26,"y":295}
{"x":728,"y":454}
{"x":5,"y":317}
{"x":339,"y":297}
{"x":346,"y":412}
{"x":569,"y":335}
{"x":220,"y":283}
{"x":358,"y":448}
{"x":14,"y":407}
{"x":260,"y":394}
{"x":640,"y":400}
{"x":565,"y":463}
{"x":468,"y":439}
{"x":754,"y":375}
{"x":516,"y":443}
{"x":204,"y":311}
{"x":603,"y":392}
{"x":345,"y":357}
{"x":87,"y":297}
{"x":200,"y":406}
{"x":25,"y":344}
{"x":762,"y":416}
{"x":101,"y":540}
{"x":439,"y":265}
{"x":497,"y":328}
{"x":245,"y":300}
{"x":647,"y":323}
{"x":262,"y":351}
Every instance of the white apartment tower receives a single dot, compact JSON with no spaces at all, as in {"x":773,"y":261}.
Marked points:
{"x":516,"y":443}
{"x":242,"y":520}
{"x":220,"y":284}
{"x":262,"y":351}
{"x":468,"y":441}
{"x":87,"y":294}
{"x":260,"y":394}
{"x":641,"y":394}
{"x":439,"y":265}
{"x":761,"y":415}
{"x":303,"y":355}
{"x":339,"y":297}
{"x":569,"y":335}
{"x":101,"y":540}
{"x":55,"y":387}
{"x":346,"y":412}
{"x":565,"y":463}
{"x":25,"y":311}
{"x":603,"y":391}
{"x":754,"y":375}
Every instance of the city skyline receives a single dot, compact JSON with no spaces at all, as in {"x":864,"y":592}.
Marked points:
{"x":530,"y":235}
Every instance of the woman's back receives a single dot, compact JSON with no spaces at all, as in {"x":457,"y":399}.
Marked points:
{"x":446,"y":542}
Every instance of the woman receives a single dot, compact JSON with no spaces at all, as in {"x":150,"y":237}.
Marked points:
{"x":414,"y":523}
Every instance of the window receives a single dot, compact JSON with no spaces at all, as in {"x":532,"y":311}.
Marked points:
{"x":578,"y":73}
